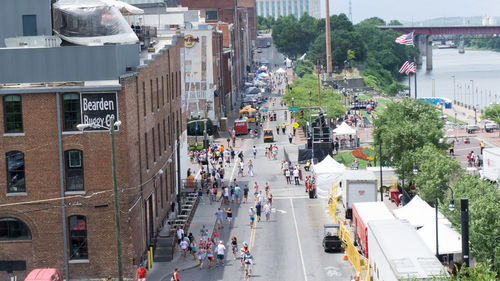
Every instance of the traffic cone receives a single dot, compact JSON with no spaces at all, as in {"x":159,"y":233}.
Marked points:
{"x":345,"y":222}
{"x":345,"y":255}
{"x":357,"y":277}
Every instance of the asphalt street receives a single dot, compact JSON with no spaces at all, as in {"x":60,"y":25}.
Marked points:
{"x":288,"y":247}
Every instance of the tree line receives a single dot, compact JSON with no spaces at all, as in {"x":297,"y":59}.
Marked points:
{"x":371,"y":50}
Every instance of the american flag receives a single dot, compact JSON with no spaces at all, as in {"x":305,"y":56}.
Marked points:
{"x":405,"y":39}
{"x":411,"y":68}
{"x":404,"y":67}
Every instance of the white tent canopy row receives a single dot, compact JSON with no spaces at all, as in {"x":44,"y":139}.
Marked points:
{"x":326,"y":173}
{"x":418,"y":213}
{"x":344,"y":129}
{"x":450,"y":241}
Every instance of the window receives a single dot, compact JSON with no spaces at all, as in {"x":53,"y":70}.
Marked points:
{"x":15,"y":171}
{"x":211,"y":15}
{"x":73,"y":170}
{"x":169,"y":132}
{"x":12,"y":113}
{"x":159,"y":139}
{"x":71,"y":111}
{"x":157,"y":95}
{"x":172,"y":85}
{"x":151,"y":91}
{"x":161,"y":191}
{"x":29,"y":25}
{"x":78,"y":238}
{"x":154,"y":144}
{"x":168,"y":89}
{"x":162,"y":91}
{"x":144,"y":97}
{"x":166,"y":183}
{"x":13,"y":229}
{"x":164,"y":136}
{"x":146,"y":150}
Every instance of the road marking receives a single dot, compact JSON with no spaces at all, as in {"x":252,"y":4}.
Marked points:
{"x":274,"y":210}
{"x":298,"y":240}
{"x":332,"y":271}
{"x":289,"y":197}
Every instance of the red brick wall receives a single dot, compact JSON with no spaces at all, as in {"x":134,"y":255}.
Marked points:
{"x":40,"y":146}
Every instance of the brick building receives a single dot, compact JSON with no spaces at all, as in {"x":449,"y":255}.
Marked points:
{"x":56,"y":200}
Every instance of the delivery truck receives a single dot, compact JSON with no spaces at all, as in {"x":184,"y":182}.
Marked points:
{"x":398,"y":253}
{"x":357,"y":186}
{"x":491,"y":163}
{"x":362,"y":213}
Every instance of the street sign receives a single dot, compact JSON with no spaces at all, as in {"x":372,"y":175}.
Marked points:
{"x":264,"y":110}
{"x":293,"y":108}
{"x":295,"y":125}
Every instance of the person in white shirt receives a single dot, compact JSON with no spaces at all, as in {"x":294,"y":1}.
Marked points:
{"x":220,"y":252}
{"x":296,"y":176}
{"x":184,"y":246}
{"x":180,"y":234}
{"x":267,"y":210}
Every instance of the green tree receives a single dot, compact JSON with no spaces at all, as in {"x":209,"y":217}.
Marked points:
{"x":288,"y":36}
{"x":434,"y":171}
{"x":484,"y":207}
{"x":405,"y":126}
{"x":191,"y":128}
{"x":492,"y":112}
{"x":303,"y":67}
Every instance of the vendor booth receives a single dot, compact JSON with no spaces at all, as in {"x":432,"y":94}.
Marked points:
{"x":326,"y":173}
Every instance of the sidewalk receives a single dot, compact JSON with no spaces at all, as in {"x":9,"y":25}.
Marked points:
{"x":204,"y":215}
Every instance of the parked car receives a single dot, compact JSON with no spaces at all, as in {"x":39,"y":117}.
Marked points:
{"x":259,"y":50}
{"x":472,"y":129}
{"x":490,"y":126}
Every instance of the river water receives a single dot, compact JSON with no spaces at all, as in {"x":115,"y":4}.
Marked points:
{"x":482,"y":67}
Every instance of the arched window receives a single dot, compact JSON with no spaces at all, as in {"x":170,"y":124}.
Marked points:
{"x":15,"y":171}
{"x":78,"y":238}
{"x":73,"y":170}
{"x":13,"y":229}
{"x":71,"y":111}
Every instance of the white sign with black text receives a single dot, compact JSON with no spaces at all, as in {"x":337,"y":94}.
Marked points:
{"x":98,"y":108}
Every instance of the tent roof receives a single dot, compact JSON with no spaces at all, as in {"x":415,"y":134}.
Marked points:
{"x":328,"y":165}
{"x":418,"y":213}
{"x":344,"y":129}
{"x":450,"y":241}
{"x":280,"y":70}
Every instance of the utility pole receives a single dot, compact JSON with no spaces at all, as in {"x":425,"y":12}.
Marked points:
{"x":328,"y":40}
{"x":319,"y":82}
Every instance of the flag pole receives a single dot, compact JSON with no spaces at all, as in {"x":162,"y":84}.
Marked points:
{"x":409,"y":85}
{"x":415,"y":78}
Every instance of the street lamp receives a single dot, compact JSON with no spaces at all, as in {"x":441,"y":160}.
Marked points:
{"x":293,"y":101}
{"x":454,"y":90}
{"x":111,"y":129}
{"x":451,"y":207}
{"x":472,"y":91}
{"x":475,"y":113}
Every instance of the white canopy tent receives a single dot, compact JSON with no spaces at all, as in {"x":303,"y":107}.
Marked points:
{"x":389,"y":176}
{"x":450,"y":241}
{"x":344,"y":129}
{"x":327,"y":172}
{"x":280,"y":71}
{"x":418,"y":213}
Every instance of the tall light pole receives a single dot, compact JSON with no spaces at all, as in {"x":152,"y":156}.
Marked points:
{"x":111,"y":129}
{"x":464,"y":221}
{"x":472,"y":91}
{"x":328,"y":39}
{"x":451,"y":207}
{"x":454,"y":90}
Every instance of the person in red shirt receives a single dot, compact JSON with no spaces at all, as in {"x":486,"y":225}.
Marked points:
{"x":175,"y":276}
{"x":141,"y":274}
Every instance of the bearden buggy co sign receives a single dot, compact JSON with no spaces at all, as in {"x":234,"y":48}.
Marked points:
{"x":98,"y":108}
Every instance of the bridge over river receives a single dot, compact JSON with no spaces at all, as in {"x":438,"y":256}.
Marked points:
{"x":423,"y":36}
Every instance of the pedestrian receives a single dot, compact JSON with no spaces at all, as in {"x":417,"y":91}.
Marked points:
{"x":250,"y":168}
{"x":481,"y":146}
{"x":266,"y":188}
{"x":218,"y":218}
{"x":220,"y":253}
{"x":234,"y":246}
{"x":290,"y":136}
{"x":296,"y":176}
{"x":267,"y":210}
{"x":251,"y":214}
{"x":141,"y":273}
{"x":210,"y":255}
{"x":229,"y":215}
{"x":204,"y":233}
{"x":270,"y":200}
{"x":254,"y":152}
{"x":245,"y":193}
{"x":258,"y":209}
{"x":211,"y":191}
{"x":277,"y":129}
{"x":283,"y":128}
{"x":248,"y":260}
{"x":231,"y":193}
{"x":242,"y":168}
{"x":175,"y":276}
{"x":226,"y":195}
{"x":243,"y":250}
{"x":180,"y":234}
{"x":452,"y":148}
{"x":192,"y":247}
{"x":184,"y":248}
{"x":201,"y":256}
{"x":287,"y":176}
{"x":237,"y":192}
{"x":255,"y":190}
{"x":260,"y":198}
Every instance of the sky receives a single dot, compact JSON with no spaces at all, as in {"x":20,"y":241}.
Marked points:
{"x":405,"y":10}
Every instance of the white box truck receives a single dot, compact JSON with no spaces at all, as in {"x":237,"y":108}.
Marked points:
{"x":358,"y":186}
{"x":398,"y":253}
{"x":491,"y":163}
